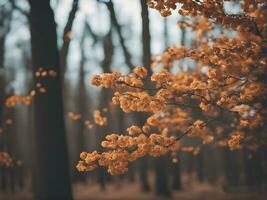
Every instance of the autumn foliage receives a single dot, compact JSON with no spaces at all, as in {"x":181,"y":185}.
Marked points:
{"x":220,"y":102}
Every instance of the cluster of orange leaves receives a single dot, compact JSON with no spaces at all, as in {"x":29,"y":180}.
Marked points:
{"x":27,"y":100}
{"x":127,"y":148}
{"x":220,"y":102}
{"x":99,"y":119}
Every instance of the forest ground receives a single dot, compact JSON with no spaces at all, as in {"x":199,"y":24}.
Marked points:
{"x":131,"y":191}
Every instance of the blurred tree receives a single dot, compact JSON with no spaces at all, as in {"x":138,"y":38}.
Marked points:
{"x":67,"y":35}
{"x":104,"y":101}
{"x":255,"y":173}
{"x":165,"y":33}
{"x":160,"y":166}
{"x":146,"y":38}
{"x":146,"y":59}
{"x":5,"y":19}
{"x":51,"y":147}
{"x":81,"y":99}
{"x":231,"y":167}
{"x":117,"y":26}
{"x":176,"y":174}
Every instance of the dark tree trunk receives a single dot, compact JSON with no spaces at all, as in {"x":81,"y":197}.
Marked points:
{"x":146,"y":36}
{"x":200,"y":166}
{"x":146,"y":62}
{"x":2,"y":51}
{"x":53,"y":179}
{"x":161,"y":164}
{"x":165,"y":33}
{"x":3,"y":170}
{"x":254,"y":172}
{"x":5,"y":19}
{"x":67,"y":37}
{"x":176,"y":176}
{"x":144,"y":174}
{"x":161,"y":168}
{"x":231,"y":169}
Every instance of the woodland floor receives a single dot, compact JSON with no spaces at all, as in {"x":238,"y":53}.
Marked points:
{"x":131,"y":191}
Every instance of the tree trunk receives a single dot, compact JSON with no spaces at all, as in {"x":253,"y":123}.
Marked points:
{"x":67,"y":37}
{"x":100,"y":131}
{"x":146,"y":62}
{"x":231,"y":170}
{"x":200,"y":166}
{"x":53,"y":179}
{"x":254,"y":172}
{"x":146,"y":37}
{"x":2,"y":51}
{"x":81,"y":102}
{"x":3,"y":171}
{"x":104,"y":99}
{"x":176,"y":175}
{"x":161,"y":168}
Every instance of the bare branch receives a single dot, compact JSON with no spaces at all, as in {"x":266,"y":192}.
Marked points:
{"x":16,"y":7}
{"x":67,"y":36}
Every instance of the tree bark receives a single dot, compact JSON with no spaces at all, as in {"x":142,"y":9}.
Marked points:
{"x":161,"y":168}
{"x":146,"y":59}
{"x":53,"y":179}
{"x":176,"y":176}
{"x":146,"y":37}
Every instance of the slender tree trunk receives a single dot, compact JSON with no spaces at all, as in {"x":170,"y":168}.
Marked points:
{"x":104,"y":102}
{"x":160,"y":165}
{"x":146,"y":62}
{"x":254,"y":172}
{"x":165,"y":33}
{"x":53,"y":179}
{"x":3,"y":171}
{"x":162,"y":188}
{"x":2,"y":51}
{"x":67,"y":37}
{"x":81,"y":102}
{"x":102,"y":175}
{"x":176,"y":176}
{"x":231,"y":169}
{"x":200,"y":166}
{"x":146,"y":36}
{"x":5,"y":27}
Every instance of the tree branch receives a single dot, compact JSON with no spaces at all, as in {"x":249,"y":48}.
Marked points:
{"x":67,"y":36}
{"x":115,"y":22}
{"x":14,"y":6}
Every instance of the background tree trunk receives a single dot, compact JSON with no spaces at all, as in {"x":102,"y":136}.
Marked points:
{"x":161,"y":168}
{"x":176,"y":175}
{"x":146,"y":36}
{"x":51,"y":147}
